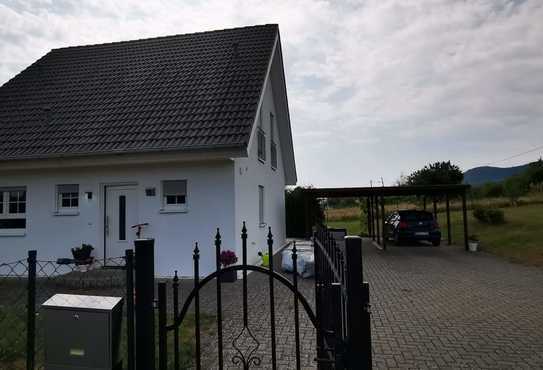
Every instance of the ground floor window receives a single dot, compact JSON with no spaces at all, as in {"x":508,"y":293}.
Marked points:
{"x":174,"y":194}
{"x":12,"y":209}
{"x":261,"y":205}
{"x":68,"y":197}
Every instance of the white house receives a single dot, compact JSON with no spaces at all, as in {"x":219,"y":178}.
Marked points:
{"x":186,"y":133}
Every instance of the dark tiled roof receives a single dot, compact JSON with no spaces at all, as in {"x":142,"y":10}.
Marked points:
{"x":181,"y":92}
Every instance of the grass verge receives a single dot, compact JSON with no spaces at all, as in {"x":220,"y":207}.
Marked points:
{"x":519,"y":240}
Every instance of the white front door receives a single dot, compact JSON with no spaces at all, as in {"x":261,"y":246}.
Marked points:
{"x":121,"y":213}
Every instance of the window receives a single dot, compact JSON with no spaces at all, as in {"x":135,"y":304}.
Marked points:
{"x":68,"y":197}
{"x":12,"y":211}
{"x":261,"y":206}
{"x":273,"y":147}
{"x":174,"y":194}
{"x":261,"y":145}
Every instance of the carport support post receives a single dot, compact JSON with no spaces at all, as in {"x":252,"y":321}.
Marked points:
{"x":465,"y":220}
{"x":377,"y":220}
{"x":368,"y":215}
{"x":145,"y":296}
{"x":372,"y":233}
{"x":384,"y":237}
{"x":449,"y":239}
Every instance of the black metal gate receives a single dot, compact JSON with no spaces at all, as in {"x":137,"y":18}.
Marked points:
{"x":341,"y":318}
{"x":342,"y":302}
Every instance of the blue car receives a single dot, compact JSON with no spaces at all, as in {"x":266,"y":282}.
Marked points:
{"x":412,"y":225}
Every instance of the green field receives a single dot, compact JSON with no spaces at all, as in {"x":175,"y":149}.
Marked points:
{"x":520,"y":239}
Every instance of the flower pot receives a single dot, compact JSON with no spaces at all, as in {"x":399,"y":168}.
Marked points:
{"x":473,"y":246}
{"x":228,"y":276}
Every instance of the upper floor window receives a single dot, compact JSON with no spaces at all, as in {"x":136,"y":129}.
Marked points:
{"x":261,"y":144}
{"x":68,"y":197}
{"x":273,"y":146}
{"x":174,"y":194}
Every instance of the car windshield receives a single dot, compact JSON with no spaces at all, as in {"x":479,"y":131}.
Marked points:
{"x":416,"y":216}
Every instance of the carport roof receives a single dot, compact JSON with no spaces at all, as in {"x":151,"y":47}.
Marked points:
{"x":452,"y":189}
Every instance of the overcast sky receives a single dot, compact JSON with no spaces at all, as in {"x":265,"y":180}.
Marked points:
{"x":376,"y":88}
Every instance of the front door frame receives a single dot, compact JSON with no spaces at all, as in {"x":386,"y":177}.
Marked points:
{"x":103,"y":190}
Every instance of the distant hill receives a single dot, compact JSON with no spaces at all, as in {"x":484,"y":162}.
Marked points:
{"x":484,"y":174}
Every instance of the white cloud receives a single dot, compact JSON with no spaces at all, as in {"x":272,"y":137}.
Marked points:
{"x":376,"y":87}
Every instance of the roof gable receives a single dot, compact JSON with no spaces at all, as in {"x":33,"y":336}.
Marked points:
{"x":193,"y":91}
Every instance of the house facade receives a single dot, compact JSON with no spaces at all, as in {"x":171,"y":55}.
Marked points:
{"x":185,"y":134}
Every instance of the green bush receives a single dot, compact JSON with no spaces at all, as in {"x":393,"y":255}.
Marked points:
{"x":492,"y":216}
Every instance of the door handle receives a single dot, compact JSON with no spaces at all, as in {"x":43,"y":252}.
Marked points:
{"x":107,"y":225}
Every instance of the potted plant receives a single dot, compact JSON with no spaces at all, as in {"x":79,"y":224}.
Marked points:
{"x":473,"y":243}
{"x":82,"y":254}
{"x":228,"y":258}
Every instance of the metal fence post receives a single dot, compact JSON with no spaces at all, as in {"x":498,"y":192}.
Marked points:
{"x":145,"y":296}
{"x":356,"y":337}
{"x":129,"y":255}
{"x":31,"y":311}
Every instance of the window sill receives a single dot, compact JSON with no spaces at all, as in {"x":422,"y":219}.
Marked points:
{"x":66,"y":213}
{"x":174,"y":210}
{"x":13,"y":232}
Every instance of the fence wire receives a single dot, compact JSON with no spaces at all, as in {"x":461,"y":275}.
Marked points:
{"x":13,"y":298}
{"x":99,"y":278}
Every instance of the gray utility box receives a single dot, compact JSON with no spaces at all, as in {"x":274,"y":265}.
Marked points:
{"x":82,"y":332}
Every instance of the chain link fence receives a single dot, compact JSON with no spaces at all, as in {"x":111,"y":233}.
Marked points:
{"x":20,"y":287}
{"x":13,"y":314}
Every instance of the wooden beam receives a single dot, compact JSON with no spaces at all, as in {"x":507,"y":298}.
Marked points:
{"x":377,"y":220}
{"x":448,"y":210}
{"x":368,"y":216}
{"x":384,"y":238}
{"x":465,"y":220}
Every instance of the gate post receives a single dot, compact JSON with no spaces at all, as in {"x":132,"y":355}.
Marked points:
{"x":130,"y":338}
{"x":145,"y":296}
{"x":31,"y":311}
{"x":358,"y":346}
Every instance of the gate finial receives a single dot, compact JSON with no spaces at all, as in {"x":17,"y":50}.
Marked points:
{"x":196,"y":253}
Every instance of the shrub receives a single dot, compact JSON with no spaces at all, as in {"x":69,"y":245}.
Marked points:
{"x":492,"y":216}
{"x":495,"y":216}
{"x":228,"y":258}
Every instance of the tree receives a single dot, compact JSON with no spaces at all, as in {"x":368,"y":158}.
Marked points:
{"x":295,"y":212}
{"x":514,"y":187}
{"x":438,"y":173}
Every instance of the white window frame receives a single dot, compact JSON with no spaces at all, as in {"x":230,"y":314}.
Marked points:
{"x":273,"y":146}
{"x":261,"y":206}
{"x":173,"y":208}
{"x":63,"y":210}
{"x":5,"y":214}
{"x":261,"y":135}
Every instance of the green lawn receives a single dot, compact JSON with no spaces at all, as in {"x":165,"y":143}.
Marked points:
{"x":13,"y":339}
{"x":520,"y":239}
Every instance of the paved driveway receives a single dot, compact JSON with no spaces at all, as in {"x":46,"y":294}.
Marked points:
{"x":443,"y":307}
{"x":432,"y":308}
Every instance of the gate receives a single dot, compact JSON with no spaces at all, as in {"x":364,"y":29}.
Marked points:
{"x":341,"y":318}
{"x":342,"y":301}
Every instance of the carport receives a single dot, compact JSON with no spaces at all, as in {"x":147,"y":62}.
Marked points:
{"x":375,"y":203}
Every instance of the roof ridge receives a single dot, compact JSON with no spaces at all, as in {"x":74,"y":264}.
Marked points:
{"x":156,"y":38}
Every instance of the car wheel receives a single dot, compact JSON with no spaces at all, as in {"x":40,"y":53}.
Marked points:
{"x":436,"y":243}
